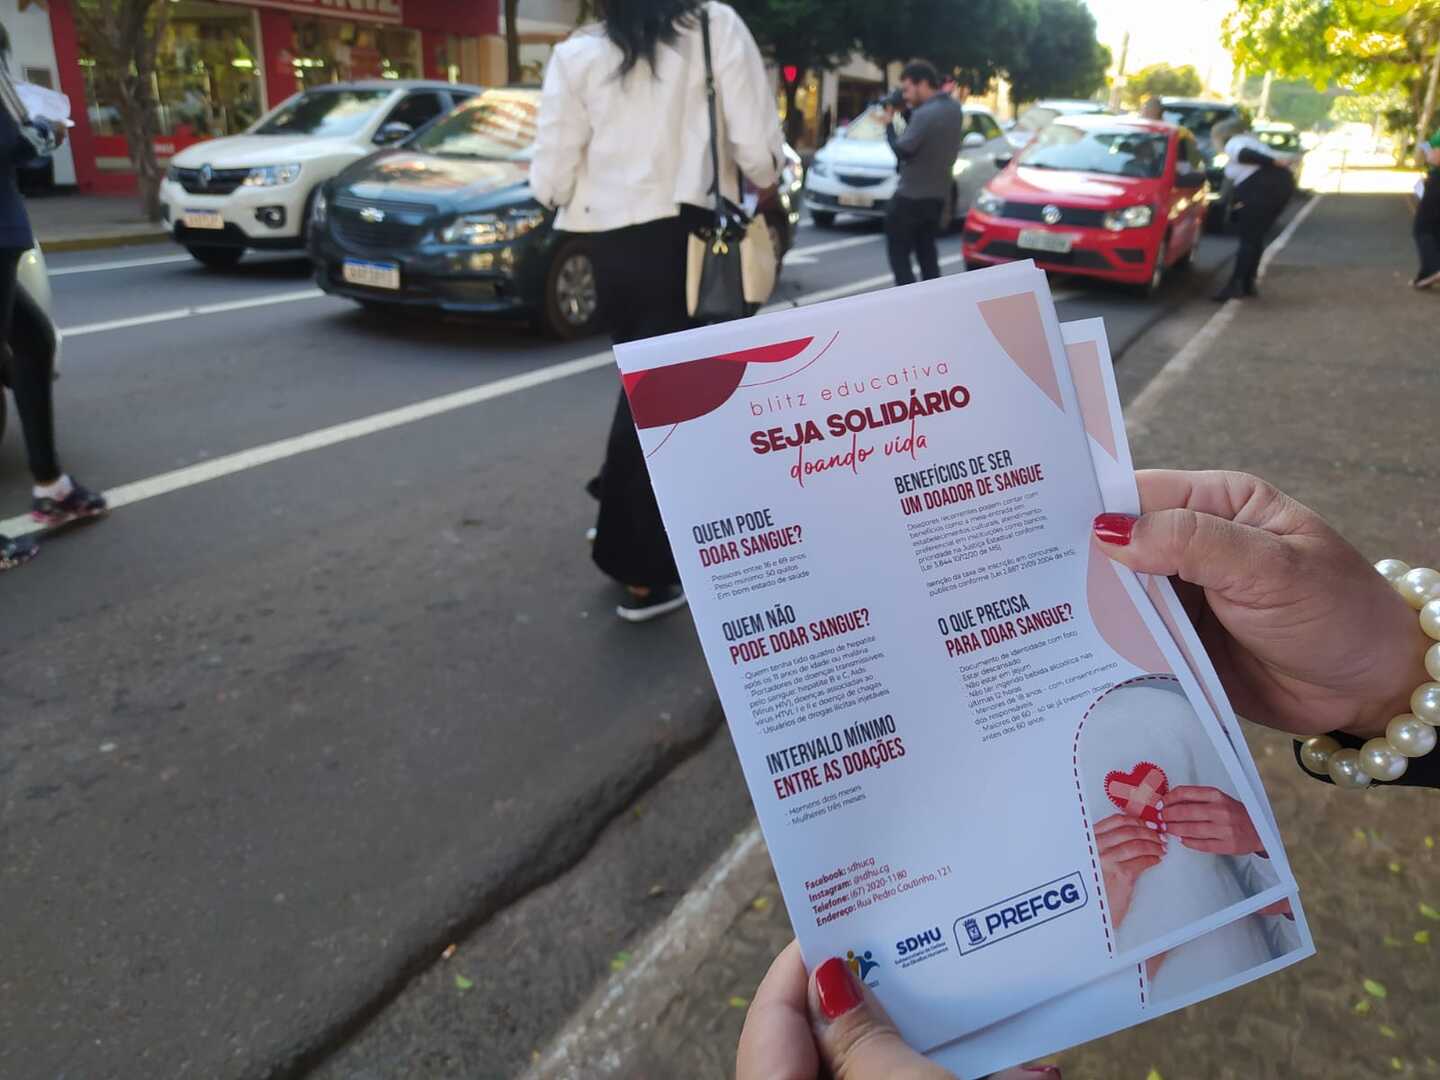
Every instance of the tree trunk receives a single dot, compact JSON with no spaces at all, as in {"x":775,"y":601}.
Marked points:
{"x":512,"y":40}
{"x":1427,"y":110}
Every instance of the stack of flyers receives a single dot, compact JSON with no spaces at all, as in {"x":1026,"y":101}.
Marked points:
{"x":995,"y":770}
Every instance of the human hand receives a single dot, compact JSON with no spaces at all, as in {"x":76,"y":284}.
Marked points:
{"x":1127,"y":848}
{"x":797,"y":1024}
{"x":1206,"y":819}
{"x":59,"y":131}
{"x":1305,"y":635}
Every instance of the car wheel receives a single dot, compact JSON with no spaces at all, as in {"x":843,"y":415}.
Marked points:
{"x":217,"y":258}
{"x":572,"y":295}
{"x":823,"y":218}
{"x":1157,"y":275}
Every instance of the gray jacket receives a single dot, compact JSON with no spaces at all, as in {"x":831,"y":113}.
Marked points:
{"x":928,"y":148}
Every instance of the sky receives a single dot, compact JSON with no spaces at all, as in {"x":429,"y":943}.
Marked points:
{"x":1173,"y":31}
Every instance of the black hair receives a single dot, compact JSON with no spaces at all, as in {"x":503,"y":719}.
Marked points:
{"x":639,"y":27}
{"x":918,"y":71}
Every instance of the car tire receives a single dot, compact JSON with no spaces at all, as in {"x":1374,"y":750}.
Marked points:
{"x":1157,"y":274}
{"x":571,"y":307}
{"x":217,"y":258}
{"x":823,"y":219}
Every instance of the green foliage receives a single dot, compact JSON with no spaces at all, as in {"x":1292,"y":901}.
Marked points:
{"x":1294,"y":101}
{"x":974,"y":41}
{"x":1061,"y":56}
{"x":812,"y":35}
{"x":1162,"y":80}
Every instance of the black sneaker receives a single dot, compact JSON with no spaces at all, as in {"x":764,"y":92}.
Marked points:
{"x":1229,"y":292}
{"x":15,"y":552}
{"x":80,"y":504}
{"x":659,"y":602}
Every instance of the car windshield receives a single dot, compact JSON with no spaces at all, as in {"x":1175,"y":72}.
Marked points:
{"x":498,"y":125}
{"x":1287,"y":142}
{"x":1198,"y":118}
{"x":325,"y":112}
{"x":1111,"y":152}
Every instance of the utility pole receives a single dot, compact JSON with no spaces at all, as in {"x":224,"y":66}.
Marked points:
{"x":1120,"y":72}
{"x":1264,"y":112}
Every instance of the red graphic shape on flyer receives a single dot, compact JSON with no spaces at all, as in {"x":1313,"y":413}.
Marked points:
{"x":1139,"y":792}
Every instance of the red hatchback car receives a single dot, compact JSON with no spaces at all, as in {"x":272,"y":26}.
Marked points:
{"x":1110,"y":197}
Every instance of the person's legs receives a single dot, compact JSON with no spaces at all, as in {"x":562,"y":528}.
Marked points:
{"x":899,"y":239}
{"x":29,"y":380}
{"x":1427,"y":246}
{"x":12,"y":552}
{"x":926,"y":232}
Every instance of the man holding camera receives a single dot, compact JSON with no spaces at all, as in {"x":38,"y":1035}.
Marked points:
{"x":926,"y":152}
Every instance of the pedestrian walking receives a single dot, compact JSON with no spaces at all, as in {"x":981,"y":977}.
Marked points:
{"x":623,"y":151}
{"x":56,"y":498}
{"x":1427,"y":218}
{"x":926,"y":151}
{"x":1262,"y":186}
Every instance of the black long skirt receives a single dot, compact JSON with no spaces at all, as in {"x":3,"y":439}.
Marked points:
{"x":640,"y":272}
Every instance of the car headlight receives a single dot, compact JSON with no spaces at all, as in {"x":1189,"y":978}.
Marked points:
{"x":1219,"y":161}
{"x":320,"y":208}
{"x":479,"y":230}
{"x":1132,"y":217}
{"x":820,"y":168}
{"x":273,"y":175}
{"x":987,"y":202}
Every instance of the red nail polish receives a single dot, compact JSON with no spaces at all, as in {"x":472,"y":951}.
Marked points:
{"x":1115,"y":528}
{"x":837,"y":989}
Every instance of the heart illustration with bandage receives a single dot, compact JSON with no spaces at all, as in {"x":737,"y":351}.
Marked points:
{"x":1139,"y":792}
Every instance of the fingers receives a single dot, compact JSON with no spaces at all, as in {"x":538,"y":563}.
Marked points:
{"x":1191,"y":794}
{"x":857,"y":1040}
{"x":1133,"y":849}
{"x":776,"y":1041}
{"x":1198,"y":829}
{"x":1211,"y":846}
{"x":1126,"y":831}
{"x":1113,"y":823}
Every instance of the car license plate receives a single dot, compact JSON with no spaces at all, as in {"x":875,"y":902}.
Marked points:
{"x":203,"y":219}
{"x":377,"y":275}
{"x":859,"y":201}
{"x":1041,"y":240}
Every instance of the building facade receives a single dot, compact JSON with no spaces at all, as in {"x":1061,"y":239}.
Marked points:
{"x":222,"y":63}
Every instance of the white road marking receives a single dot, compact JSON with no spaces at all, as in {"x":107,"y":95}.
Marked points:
{"x":205,"y":471}
{"x":835,"y":245}
{"x":1138,"y":411}
{"x":124,"y":264}
{"x":190,"y":312}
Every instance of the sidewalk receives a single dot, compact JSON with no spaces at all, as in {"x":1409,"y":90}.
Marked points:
{"x":1327,"y":387}
{"x":68,"y":221}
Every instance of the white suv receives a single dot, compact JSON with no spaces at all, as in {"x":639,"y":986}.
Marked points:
{"x":254,"y":190}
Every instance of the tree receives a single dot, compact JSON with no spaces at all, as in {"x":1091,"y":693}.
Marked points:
{"x":803,"y":35}
{"x":123,"y":37}
{"x":973,"y":41}
{"x":1161,"y":80}
{"x":512,"y":41}
{"x":1061,"y":57}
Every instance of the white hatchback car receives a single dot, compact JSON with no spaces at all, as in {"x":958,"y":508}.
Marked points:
{"x":855,"y":172}
{"x":254,"y":190}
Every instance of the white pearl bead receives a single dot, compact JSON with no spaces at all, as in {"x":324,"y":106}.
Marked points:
{"x":1430,"y":619}
{"x":1432,"y":661}
{"x":1419,"y":586}
{"x":1315,"y":752}
{"x":1381,"y":761}
{"x":1392,"y":570}
{"x":1344,"y":769}
{"x":1425,"y":702}
{"x":1410,"y":735}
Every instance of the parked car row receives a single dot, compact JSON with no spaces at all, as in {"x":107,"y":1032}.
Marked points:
{"x":406,"y":194}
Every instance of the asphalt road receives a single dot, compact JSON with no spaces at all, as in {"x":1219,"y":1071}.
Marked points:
{"x":301,"y":713}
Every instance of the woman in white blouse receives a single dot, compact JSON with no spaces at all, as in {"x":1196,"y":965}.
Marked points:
{"x":623,"y":152}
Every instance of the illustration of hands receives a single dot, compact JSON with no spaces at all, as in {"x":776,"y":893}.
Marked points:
{"x":1127,"y":848}
{"x":1206,"y":819}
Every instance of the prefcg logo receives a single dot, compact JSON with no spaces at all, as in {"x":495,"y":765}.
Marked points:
{"x":1022,"y":911}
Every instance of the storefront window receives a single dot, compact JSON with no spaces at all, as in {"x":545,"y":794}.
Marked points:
{"x":207,"y":75}
{"x":327,"y":51}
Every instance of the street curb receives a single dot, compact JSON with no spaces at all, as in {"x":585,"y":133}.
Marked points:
{"x":603,"y":1036}
{"x":97,"y":243}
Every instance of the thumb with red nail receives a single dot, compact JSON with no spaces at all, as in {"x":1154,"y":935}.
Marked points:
{"x":829,"y":1024}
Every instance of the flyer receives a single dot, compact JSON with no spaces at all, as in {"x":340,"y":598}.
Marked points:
{"x":951,"y":709}
{"x":1252,"y":948}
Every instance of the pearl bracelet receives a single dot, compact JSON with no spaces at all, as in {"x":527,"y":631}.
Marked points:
{"x":1410,"y":735}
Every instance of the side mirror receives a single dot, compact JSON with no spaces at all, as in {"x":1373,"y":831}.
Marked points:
{"x":1003,"y":159}
{"x":972,"y":140}
{"x":393,"y":132}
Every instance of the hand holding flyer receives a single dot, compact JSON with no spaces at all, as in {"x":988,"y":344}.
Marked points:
{"x":958,"y":720}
